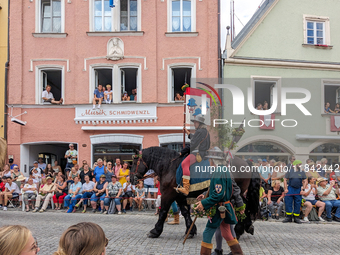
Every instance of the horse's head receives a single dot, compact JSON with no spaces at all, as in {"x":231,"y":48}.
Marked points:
{"x":138,"y":168}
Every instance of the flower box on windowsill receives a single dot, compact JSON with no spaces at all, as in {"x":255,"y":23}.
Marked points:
{"x":318,"y":46}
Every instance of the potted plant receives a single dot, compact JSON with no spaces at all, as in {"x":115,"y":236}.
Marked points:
{"x":237,"y":134}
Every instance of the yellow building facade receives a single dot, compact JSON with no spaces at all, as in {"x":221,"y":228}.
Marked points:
{"x":3,"y":59}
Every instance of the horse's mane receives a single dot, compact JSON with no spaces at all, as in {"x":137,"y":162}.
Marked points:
{"x":158,"y":157}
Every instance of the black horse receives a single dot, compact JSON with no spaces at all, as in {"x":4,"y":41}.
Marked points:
{"x":165,"y":163}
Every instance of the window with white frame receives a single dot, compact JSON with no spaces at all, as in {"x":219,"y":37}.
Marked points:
{"x":128,"y":15}
{"x":102,"y":15}
{"x":125,"y":16}
{"x":51,"y":16}
{"x":263,"y":92}
{"x":181,"y":16}
{"x":121,"y":78}
{"x":129,"y":79}
{"x":52,"y":77}
{"x":331,"y":97}
{"x":179,"y":77}
{"x":316,"y":30}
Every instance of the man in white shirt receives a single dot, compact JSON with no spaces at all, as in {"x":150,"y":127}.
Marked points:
{"x":11,"y":190}
{"x":47,"y":96}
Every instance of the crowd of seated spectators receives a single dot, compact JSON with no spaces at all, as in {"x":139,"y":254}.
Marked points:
{"x":98,"y":187}
{"x":319,"y":188}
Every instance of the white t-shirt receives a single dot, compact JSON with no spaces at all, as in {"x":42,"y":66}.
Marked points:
{"x":128,"y":187}
{"x":106,"y":93}
{"x":36,"y":177}
{"x":29,"y":187}
{"x":311,"y":195}
{"x":14,"y":187}
{"x":88,"y":186}
{"x":72,"y":153}
{"x":149,"y":181}
{"x":46,"y":94}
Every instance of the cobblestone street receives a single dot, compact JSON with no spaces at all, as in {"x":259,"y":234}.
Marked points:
{"x":127,"y":234}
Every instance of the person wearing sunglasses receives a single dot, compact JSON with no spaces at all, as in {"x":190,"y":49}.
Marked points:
{"x":83,"y":238}
{"x":17,"y":240}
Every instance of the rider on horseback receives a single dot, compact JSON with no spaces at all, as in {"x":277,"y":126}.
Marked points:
{"x":199,"y":140}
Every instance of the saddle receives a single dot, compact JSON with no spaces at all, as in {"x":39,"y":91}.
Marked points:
{"x":199,"y":175}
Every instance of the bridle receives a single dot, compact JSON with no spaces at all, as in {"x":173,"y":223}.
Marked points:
{"x":138,"y":163}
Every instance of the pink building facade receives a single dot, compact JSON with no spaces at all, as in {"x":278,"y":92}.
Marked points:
{"x":151,"y":46}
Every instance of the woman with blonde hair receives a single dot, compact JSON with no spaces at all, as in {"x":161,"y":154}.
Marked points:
{"x":275,"y":199}
{"x":85,"y":238}
{"x":278,"y":172}
{"x":17,"y":240}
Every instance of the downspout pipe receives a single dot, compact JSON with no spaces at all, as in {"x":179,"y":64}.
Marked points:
{"x":6,"y":76}
{"x":219,"y":42}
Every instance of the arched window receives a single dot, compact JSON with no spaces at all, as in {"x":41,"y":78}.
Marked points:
{"x":263,"y":150}
{"x":331,"y":151}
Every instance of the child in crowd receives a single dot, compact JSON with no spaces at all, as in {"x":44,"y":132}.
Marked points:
{"x":337,"y":108}
{"x":140,"y":194}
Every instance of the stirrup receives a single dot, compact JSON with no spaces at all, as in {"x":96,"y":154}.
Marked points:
{"x":176,"y":188}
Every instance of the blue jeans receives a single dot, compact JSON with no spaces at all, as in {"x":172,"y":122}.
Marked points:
{"x":329,"y":205}
{"x":68,"y":201}
{"x":94,"y":198}
{"x":69,"y":166}
{"x":107,"y":201}
{"x":147,"y":189}
{"x":174,"y":207}
{"x":86,"y":196}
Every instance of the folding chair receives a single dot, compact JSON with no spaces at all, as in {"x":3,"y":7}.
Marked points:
{"x":13,"y":201}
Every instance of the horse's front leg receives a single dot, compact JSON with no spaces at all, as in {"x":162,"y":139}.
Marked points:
{"x":166,"y":201}
{"x":185,"y":209}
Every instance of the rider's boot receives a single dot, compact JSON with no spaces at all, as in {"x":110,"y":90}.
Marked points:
{"x":175,"y":221}
{"x":186,"y":186}
{"x":206,"y":248}
{"x":235,"y":247}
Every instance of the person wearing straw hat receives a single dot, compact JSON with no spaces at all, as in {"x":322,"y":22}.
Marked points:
{"x":327,"y":193}
{"x":45,"y":193}
{"x":296,"y":179}
{"x":199,"y":140}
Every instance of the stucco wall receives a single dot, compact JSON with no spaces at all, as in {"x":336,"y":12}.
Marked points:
{"x":283,"y":29}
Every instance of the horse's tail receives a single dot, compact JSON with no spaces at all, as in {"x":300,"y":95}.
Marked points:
{"x":253,"y":194}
